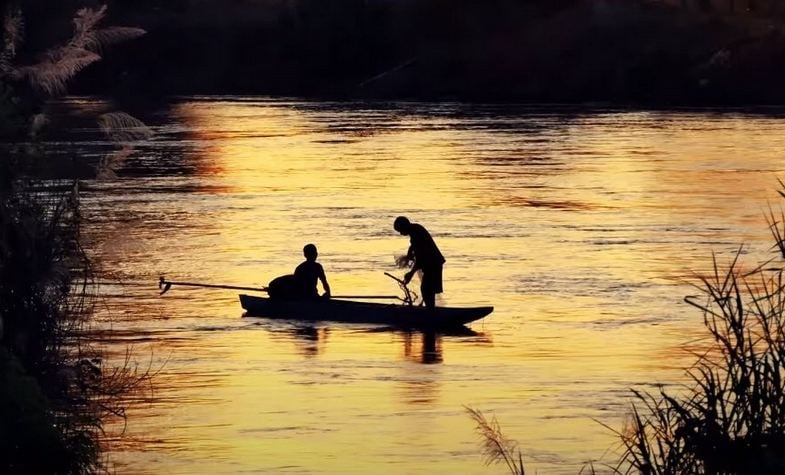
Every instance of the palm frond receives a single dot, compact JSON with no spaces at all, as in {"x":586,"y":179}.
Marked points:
{"x":85,"y":23}
{"x":123,"y":127}
{"x":108,"y":166}
{"x":57,"y":68}
{"x":59,"y":64}
{"x":116,"y":34}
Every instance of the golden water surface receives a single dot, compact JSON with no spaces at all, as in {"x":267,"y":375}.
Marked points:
{"x":583,"y":227}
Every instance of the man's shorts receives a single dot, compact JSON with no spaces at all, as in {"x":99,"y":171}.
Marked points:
{"x":432,"y":280}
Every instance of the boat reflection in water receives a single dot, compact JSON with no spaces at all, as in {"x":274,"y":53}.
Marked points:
{"x":419,"y":346}
{"x":310,"y":340}
{"x":429,"y":342}
{"x":431,"y":348}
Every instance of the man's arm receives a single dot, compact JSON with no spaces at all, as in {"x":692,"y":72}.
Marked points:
{"x":408,"y":276}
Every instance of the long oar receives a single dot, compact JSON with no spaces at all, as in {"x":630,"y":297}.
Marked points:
{"x":165,"y":285}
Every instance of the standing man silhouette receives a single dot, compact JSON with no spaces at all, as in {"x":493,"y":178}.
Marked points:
{"x":427,"y":258}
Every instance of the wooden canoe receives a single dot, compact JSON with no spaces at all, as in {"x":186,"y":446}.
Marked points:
{"x":362,"y":312}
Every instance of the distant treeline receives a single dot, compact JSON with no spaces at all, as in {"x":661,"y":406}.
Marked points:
{"x":627,"y":51}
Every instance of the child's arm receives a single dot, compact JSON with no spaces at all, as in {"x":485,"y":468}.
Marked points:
{"x":323,"y":278}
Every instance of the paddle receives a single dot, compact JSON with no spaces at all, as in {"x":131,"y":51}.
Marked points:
{"x":165,"y":285}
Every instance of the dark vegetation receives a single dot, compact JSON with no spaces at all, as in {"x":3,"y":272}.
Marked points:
{"x":730,"y":417}
{"x":55,"y":388}
{"x":626,"y":51}
{"x":37,"y":256}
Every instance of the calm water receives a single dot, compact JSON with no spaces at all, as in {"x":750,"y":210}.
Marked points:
{"x":583,"y":227}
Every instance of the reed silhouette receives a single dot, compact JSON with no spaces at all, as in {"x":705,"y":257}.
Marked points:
{"x":497,"y":448}
{"x":57,"y":388}
{"x":731,"y":418}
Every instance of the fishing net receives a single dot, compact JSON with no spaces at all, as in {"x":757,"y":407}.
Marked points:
{"x":404,"y":261}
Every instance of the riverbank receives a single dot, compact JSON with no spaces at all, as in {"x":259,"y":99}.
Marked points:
{"x":575,"y":51}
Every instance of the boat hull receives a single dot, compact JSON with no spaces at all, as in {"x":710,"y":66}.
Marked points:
{"x":362,"y":312}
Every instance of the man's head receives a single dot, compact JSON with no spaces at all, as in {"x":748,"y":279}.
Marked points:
{"x":310,"y":252}
{"x":402,"y":225}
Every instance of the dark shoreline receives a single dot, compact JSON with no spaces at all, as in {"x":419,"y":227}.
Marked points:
{"x":615,"y":52}
{"x":143,"y":106}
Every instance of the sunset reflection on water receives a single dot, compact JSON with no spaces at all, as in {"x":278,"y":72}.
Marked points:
{"x":581,"y":227}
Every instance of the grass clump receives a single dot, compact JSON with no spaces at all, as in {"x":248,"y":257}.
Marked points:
{"x":55,"y":390}
{"x":731,"y":416}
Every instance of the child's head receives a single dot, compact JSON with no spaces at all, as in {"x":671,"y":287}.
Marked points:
{"x":310,"y":253}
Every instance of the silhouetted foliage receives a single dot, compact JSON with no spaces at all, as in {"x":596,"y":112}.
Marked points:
{"x":25,"y":81}
{"x":536,"y":50}
{"x":731,"y":419}
{"x":55,"y":391}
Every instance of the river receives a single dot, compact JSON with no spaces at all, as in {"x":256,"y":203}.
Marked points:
{"x":583,"y":226}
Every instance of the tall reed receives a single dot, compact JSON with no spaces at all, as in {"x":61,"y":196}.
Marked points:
{"x":730,"y":418}
{"x":497,"y":448}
